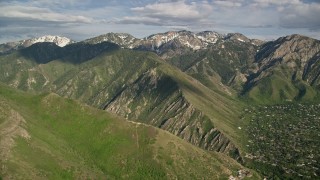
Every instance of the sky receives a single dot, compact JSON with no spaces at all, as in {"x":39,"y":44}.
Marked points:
{"x":79,"y":20}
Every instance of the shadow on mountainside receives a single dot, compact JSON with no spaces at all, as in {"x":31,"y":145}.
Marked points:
{"x":76,"y":53}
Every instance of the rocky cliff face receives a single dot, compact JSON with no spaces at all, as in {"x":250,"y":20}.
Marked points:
{"x":297,"y":52}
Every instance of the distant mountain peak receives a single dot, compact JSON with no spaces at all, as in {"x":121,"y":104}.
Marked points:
{"x":242,"y":38}
{"x":237,"y":36}
{"x":11,"y":46}
{"x":122,"y":39}
{"x":295,"y":36}
{"x":162,"y":41}
{"x":58,"y":40}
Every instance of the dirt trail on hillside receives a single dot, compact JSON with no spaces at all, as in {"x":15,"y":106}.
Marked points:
{"x":11,"y":128}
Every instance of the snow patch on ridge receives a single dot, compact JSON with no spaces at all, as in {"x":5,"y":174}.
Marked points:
{"x":241,"y":40}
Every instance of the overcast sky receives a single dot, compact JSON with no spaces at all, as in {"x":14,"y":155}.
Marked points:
{"x":262,"y":19}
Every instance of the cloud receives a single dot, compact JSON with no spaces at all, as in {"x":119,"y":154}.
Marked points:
{"x":40,"y":14}
{"x":228,"y":3}
{"x":301,"y":16}
{"x":169,"y":13}
{"x":275,"y":2}
{"x":239,"y":13}
{"x":141,"y":20}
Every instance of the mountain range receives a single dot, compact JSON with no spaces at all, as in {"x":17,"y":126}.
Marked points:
{"x":196,"y":86}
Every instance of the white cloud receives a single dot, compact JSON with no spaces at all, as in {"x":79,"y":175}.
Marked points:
{"x":56,"y":3}
{"x":140,"y":20}
{"x":178,"y":10}
{"x":228,"y":3}
{"x":41,"y":14}
{"x":301,"y":16}
{"x":265,"y":3}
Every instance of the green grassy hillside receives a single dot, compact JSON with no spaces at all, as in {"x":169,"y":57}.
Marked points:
{"x":138,"y":86}
{"x":281,"y":86}
{"x":46,"y":136}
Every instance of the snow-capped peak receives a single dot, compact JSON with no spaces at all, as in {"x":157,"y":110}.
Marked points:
{"x":58,"y":40}
{"x":160,"y":41}
{"x":11,"y":46}
{"x":187,"y":38}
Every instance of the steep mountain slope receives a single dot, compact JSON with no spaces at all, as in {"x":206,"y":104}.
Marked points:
{"x":161,"y":100}
{"x":284,"y":70}
{"x":46,"y":136}
{"x":11,"y":46}
{"x":136,"y":85}
{"x":27,"y":70}
{"x":220,"y":67}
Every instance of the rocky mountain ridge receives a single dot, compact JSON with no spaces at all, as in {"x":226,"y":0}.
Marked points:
{"x":165,"y":44}
{"x":171,"y":43}
{"x":154,"y":42}
{"x":293,"y":60}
